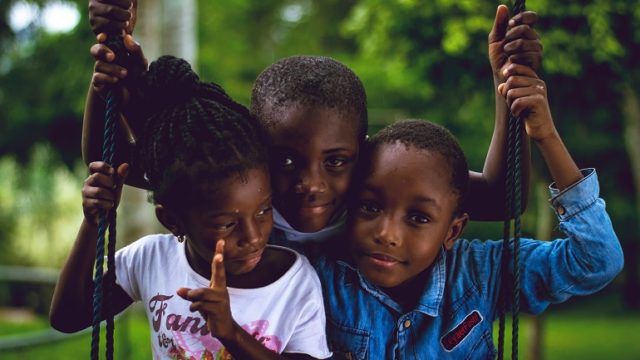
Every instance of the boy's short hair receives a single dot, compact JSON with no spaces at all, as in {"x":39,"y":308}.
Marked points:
{"x":425,"y":135}
{"x":309,"y":81}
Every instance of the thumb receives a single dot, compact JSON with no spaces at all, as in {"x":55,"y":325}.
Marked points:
{"x":121,"y":174}
{"x":135,"y":50}
{"x":500,"y":24}
{"x":218,"y":274}
{"x":123,"y":171}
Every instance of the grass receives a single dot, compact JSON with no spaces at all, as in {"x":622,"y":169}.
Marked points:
{"x":583,"y":328}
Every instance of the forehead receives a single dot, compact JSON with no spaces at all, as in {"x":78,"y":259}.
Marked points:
{"x":302,"y":124}
{"x":404,"y":171}
{"x":236,"y":192}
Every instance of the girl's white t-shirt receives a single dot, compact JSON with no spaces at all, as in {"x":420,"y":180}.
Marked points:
{"x":286,"y":316}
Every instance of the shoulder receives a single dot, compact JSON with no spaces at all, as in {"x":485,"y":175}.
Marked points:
{"x":298,"y":267}
{"x":151,"y":247}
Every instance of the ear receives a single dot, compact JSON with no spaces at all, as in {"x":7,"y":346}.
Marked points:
{"x":455,"y":230}
{"x":170,"y":220}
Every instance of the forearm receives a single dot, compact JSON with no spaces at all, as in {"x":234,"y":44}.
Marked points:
{"x":93,"y":138}
{"x":72,"y":298}
{"x":92,"y":127}
{"x":486,"y":196}
{"x":244,"y":346}
{"x":563,"y":169}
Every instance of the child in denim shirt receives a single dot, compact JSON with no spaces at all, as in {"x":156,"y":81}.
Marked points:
{"x":409,"y":290}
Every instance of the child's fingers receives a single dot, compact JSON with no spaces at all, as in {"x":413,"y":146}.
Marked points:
{"x":521,"y":32}
{"x":529,"y":59}
{"x":522,"y":46}
{"x":101,"y":52}
{"x":518,"y":69}
{"x":100,"y":166}
{"x":526,"y":17}
{"x":110,"y":69}
{"x":218,"y":274}
{"x":526,"y":103}
{"x":109,"y":15}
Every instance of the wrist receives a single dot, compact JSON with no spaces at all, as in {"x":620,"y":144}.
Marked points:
{"x":232,"y":336}
{"x":546,"y":138}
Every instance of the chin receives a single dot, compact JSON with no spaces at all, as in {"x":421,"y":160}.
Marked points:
{"x":378,"y":278}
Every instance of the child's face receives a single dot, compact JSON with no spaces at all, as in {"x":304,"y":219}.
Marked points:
{"x":237,"y":210}
{"x":403,"y":215}
{"x":313,"y":152}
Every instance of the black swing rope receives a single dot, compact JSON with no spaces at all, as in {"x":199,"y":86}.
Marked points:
{"x":105,"y":283}
{"x":511,"y":246}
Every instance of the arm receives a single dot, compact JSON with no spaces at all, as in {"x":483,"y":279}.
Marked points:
{"x":591,"y":256}
{"x":72,"y":303}
{"x":111,"y":16}
{"x":108,"y":73}
{"x":518,"y":44}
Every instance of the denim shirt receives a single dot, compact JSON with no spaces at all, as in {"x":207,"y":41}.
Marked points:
{"x":454,"y":315}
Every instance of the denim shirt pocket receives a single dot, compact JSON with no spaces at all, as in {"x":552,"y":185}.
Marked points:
{"x":470,"y":337}
{"x":347,"y":343}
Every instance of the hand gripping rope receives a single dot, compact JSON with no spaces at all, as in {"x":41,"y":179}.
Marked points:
{"x":511,"y":247}
{"x":104,"y":283}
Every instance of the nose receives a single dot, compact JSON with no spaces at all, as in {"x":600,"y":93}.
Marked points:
{"x":311,"y":181}
{"x":388,"y":232}
{"x":252,"y":233}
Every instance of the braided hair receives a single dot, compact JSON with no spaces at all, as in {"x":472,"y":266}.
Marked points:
{"x":194,"y":133}
{"x":425,"y":135}
{"x":309,"y":81}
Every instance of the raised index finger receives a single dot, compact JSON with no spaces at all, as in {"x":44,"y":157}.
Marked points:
{"x":218,"y":275}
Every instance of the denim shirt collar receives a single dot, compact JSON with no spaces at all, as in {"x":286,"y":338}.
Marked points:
{"x":430,"y":302}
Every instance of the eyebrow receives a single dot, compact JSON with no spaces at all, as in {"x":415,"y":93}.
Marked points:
{"x":416,"y":199}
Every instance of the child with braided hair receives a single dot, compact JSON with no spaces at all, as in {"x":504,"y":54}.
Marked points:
{"x":205,"y":161}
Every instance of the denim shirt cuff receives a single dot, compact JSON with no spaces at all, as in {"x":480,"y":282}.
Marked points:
{"x":578,"y":196}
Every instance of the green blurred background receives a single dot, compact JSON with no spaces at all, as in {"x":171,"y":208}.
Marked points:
{"x":424,"y":59}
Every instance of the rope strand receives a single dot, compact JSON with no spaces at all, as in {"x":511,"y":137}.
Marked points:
{"x":104,"y":284}
{"x":511,"y":246}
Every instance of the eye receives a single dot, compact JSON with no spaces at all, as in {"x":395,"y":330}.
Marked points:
{"x":264,"y":211}
{"x":419,"y":219}
{"x":369,"y":208}
{"x":335,"y":162}
{"x":286,"y":162}
{"x":224,"y":227}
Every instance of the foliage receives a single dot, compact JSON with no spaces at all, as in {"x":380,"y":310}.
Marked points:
{"x":435,"y":65}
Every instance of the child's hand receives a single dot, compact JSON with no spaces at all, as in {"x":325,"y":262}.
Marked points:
{"x":213,"y":302}
{"x":526,"y":96}
{"x":113,"y":16}
{"x":514,"y":41}
{"x":107,"y":72}
{"x":101,"y":191}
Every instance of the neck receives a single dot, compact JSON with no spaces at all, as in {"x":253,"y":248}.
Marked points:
{"x":409,"y":292}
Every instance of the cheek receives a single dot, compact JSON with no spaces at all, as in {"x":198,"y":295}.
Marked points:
{"x":339,"y":184}
{"x":361,"y":230}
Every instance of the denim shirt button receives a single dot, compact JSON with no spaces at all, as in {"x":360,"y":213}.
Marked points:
{"x":561,"y":210}
{"x":407,"y":324}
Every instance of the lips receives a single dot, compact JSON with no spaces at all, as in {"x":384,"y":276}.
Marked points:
{"x":308,"y":210}
{"x":250,"y":259}
{"x":382,"y":260}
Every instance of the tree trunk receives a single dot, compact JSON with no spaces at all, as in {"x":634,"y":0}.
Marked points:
{"x":631,"y":114}
{"x":163,"y":27}
{"x":544,"y":225}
